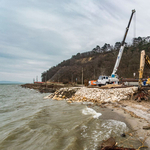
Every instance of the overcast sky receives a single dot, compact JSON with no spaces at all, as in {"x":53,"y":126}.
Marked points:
{"x":38,"y":34}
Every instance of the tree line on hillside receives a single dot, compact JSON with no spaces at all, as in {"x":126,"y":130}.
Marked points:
{"x":100,"y":61}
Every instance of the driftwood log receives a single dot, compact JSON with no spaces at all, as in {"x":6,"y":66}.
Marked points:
{"x":110,"y":144}
{"x":116,"y":148}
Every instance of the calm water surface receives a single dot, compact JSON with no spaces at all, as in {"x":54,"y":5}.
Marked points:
{"x":29,"y":122}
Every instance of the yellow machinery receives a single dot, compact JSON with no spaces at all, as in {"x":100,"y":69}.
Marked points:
{"x":148,"y":81}
{"x":144,"y":59}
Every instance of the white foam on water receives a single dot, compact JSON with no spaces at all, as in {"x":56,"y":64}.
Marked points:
{"x":90,"y":111}
{"x":116,"y":126}
{"x":87,"y":103}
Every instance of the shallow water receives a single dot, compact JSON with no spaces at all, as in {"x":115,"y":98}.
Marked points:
{"x":27,"y":121}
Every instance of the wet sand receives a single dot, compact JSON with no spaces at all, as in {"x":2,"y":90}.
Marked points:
{"x":128,"y":111}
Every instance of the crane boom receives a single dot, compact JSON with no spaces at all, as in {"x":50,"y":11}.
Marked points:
{"x":122,"y":47}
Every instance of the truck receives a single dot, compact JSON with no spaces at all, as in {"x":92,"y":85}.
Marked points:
{"x":103,"y":80}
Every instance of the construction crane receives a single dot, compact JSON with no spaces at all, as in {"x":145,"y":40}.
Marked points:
{"x":122,"y":47}
{"x":102,"y":80}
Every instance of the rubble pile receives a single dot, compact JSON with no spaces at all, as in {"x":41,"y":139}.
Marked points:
{"x":105,"y":95}
{"x":63,"y":93}
{"x":93,"y":94}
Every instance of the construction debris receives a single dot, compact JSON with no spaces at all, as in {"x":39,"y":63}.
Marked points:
{"x":141,"y":95}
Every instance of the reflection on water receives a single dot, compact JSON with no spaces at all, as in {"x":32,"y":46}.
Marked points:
{"x":30,"y":122}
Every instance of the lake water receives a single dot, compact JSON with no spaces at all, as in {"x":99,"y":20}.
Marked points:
{"x":29,"y":122}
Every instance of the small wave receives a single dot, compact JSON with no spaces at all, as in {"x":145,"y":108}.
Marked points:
{"x":115,"y":125}
{"x":90,"y":111}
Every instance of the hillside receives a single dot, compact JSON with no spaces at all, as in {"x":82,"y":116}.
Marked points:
{"x":99,"y":62}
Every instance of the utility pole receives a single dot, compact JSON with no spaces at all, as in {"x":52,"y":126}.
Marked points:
{"x":72,"y":78}
{"x":82,"y":75}
{"x":46,"y":82}
{"x":58,"y":77}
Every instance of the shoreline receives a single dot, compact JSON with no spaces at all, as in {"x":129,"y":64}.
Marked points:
{"x":135,"y":123}
{"x":136,"y":115}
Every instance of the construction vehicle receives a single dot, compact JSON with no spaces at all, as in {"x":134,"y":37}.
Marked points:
{"x":103,"y":80}
{"x":144,"y":59}
{"x":142,"y":93}
{"x":92,"y":82}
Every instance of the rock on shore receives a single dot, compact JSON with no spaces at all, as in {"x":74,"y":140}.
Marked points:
{"x":80,"y":94}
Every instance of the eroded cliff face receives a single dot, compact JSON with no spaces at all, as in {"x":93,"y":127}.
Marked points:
{"x":76,"y":94}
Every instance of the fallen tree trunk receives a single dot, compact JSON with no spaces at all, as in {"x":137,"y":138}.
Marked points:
{"x":116,"y":148}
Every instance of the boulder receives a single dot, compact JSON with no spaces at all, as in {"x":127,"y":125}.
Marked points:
{"x":108,"y":143}
{"x":146,"y":127}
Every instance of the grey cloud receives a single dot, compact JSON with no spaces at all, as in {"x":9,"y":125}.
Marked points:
{"x":36,"y":35}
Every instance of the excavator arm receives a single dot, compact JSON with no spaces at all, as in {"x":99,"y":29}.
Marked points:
{"x":147,"y":61}
{"x":141,"y":70}
{"x":144,"y":59}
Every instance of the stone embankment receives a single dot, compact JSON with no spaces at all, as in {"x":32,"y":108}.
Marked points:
{"x":43,"y":88}
{"x":80,"y":94}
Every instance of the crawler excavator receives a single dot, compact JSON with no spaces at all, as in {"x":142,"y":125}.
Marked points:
{"x":144,"y":59}
{"x":142,"y":92}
